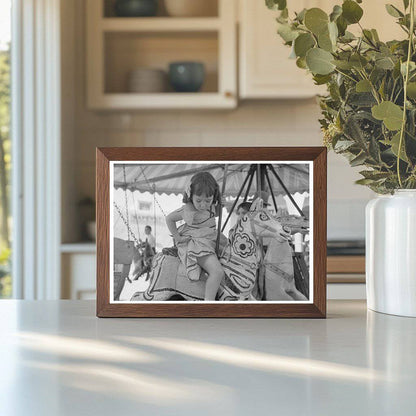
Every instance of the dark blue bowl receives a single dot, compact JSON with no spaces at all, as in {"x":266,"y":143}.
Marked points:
{"x":135,"y":8}
{"x":186,"y":76}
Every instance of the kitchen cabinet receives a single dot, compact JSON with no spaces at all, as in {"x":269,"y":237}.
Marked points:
{"x":78,"y":263}
{"x":265,"y":70}
{"x":118,"y":45}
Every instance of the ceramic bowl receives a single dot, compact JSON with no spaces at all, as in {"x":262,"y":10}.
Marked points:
{"x":147,"y":80}
{"x":135,"y":8}
{"x":186,"y":76}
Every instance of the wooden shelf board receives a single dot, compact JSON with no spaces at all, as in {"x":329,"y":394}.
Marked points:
{"x":346,"y":264}
{"x":160,"y":24}
{"x":163,"y":100}
{"x":345,"y":278}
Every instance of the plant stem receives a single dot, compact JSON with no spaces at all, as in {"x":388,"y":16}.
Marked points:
{"x":392,"y":90}
{"x":406,"y":78}
{"x":373,"y":90}
{"x":345,"y":75}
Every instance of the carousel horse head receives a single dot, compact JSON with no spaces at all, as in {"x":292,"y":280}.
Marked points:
{"x":262,"y":223}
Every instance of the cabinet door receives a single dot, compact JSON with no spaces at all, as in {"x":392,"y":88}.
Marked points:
{"x":265,"y":68}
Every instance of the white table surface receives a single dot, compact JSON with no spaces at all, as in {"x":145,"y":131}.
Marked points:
{"x":57,"y":358}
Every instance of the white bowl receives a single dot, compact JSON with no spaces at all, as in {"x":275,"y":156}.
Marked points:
{"x":191,"y":8}
{"x":147,"y":80}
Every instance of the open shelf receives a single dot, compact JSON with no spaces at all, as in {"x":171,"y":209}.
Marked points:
{"x":127,"y":51}
{"x":116,"y":46}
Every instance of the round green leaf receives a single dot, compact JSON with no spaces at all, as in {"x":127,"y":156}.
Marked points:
{"x":327,"y":40}
{"x":411,"y":90}
{"x":385,"y":63}
{"x":336,"y":12}
{"x":303,"y":43}
{"x":351,"y":11}
{"x":316,"y":20}
{"x":324,"y":42}
{"x":363,"y":86}
{"x":358,"y":61}
{"x":342,"y":64}
{"x":301,"y":63}
{"x":390,"y":113}
{"x":333,"y":32}
{"x":276,"y":4}
{"x":286,"y":32}
{"x":394,"y":144}
{"x":319,"y":61}
{"x":393,"y":11}
{"x":341,"y":25}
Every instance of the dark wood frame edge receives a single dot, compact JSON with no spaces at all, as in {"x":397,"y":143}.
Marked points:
{"x":216,"y":310}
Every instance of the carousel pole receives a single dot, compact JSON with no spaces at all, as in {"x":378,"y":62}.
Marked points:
{"x":251,"y":173}
{"x":287,"y":191}
{"x":224,"y":180}
{"x":271,"y":189}
{"x":258,"y":177}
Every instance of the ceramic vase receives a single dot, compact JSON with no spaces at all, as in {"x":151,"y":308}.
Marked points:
{"x":391,"y":253}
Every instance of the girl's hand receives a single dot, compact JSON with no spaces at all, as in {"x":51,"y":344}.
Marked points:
{"x":181,"y":238}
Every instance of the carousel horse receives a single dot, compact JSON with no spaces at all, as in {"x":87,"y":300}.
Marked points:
{"x":279,"y":276}
{"x":240,"y":260}
{"x":142,"y":261}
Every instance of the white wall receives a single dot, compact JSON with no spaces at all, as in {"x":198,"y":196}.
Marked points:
{"x":256,"y":123}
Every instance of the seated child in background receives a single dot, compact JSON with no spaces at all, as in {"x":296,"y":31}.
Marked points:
{"x":196,"y":239}
{"x":242,"y":210}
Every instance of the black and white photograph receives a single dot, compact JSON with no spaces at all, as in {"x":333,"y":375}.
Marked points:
{"x":211,"y":231}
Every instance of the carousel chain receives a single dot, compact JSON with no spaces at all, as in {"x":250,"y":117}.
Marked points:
{"x":127,"y":207}
{"x":129,"y":230}
{"x":154,"y":191}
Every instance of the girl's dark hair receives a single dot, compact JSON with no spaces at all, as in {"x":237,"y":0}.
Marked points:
{"x":203,"y":183}
{"x":244,"y":205}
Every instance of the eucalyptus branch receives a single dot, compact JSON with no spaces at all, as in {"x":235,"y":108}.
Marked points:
{"x":383,"y":112}
{"x":373,"y":89}
{"x":369,"y":41}
{"x":392,"y":90}
{"x":406,"y":79}
{"x":397,"y":95}
{"x":345,"y":75}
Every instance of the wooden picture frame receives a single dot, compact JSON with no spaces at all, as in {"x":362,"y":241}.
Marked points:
{"x":110,"y":159}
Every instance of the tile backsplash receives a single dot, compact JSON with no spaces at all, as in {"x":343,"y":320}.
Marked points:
{"x":271,"y":123}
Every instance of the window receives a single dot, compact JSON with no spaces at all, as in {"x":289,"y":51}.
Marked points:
{"x":145,"y":206}
{"x":5,"y":159}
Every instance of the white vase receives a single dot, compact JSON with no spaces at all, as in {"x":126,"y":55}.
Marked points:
{"x":391,"y":253}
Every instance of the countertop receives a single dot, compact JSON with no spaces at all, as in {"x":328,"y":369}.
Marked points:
{"x":57,"y":358}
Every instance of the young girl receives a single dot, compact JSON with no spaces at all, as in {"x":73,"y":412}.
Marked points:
{"x":196,"y":238}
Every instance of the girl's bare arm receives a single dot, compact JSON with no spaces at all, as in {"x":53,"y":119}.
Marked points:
{"x":171,"y":221}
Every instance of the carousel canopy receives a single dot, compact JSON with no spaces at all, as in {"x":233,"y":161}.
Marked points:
{"x":173,"y":178}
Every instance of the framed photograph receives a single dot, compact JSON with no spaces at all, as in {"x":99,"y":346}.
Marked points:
{"x":211,"y":232}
